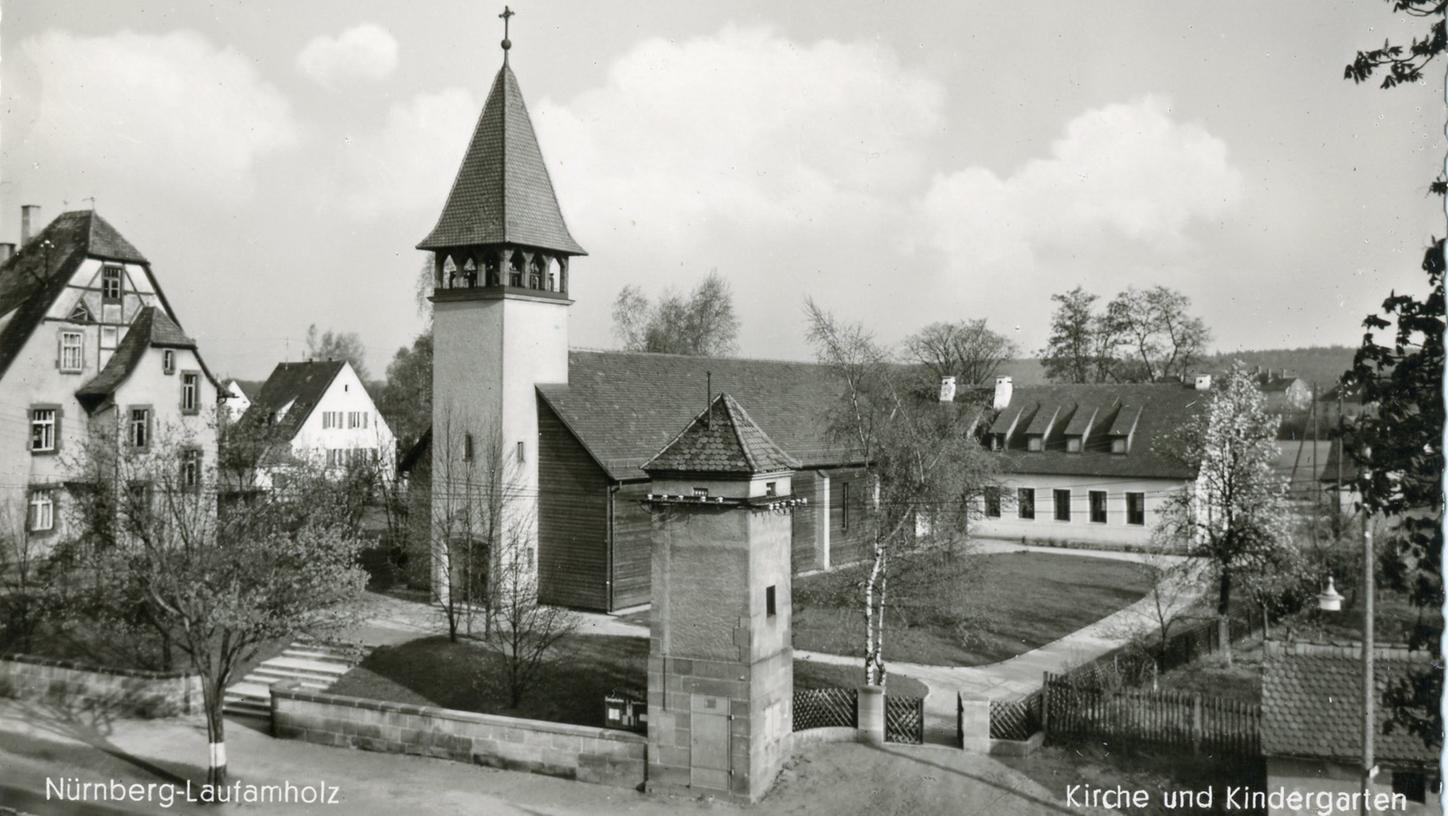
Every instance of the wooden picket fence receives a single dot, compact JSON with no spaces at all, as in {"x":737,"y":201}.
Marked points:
{"x":1167,"y":718}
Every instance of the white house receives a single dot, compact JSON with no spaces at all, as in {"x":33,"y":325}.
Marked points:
{"x":90,"y":349}
{"x":321,"y":414}
{"x":1081,"y":466}
{"x":237,"y":400}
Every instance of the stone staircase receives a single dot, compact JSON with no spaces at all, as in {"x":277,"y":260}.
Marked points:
{"x":313,"y":664}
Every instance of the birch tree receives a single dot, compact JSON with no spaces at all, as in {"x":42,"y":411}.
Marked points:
{"x":926,"y":469}
{"x":1235,"y":516}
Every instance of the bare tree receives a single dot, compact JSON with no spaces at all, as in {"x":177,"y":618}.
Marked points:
{"x":1162,"y":338}
{"x":219,"y":582}
{"x":704,"y":325}
{"x":966,"y":349}
{"x":467,"y":514}
{"x":526,"y":634}
{"x":335,"y":345}
{"x":24,"y":581}
{"x":926,"y":468}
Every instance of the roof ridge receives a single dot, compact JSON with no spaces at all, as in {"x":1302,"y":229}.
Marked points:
{"x":736,"y":413}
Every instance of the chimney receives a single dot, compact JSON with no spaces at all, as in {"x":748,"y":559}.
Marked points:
{"x":1204,"y":382}
{"x":7,"y":251}
{"x":26,"y":212}
{"x":1002,"y":393}
{"x":947,"y":389}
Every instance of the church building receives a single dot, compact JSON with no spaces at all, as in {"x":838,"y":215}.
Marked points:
{"x":565,"y":432}
{"x":570,"y":429}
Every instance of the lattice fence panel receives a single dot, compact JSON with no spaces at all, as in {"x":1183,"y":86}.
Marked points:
{"x":824,"y":708}
{"x":905,"y":719}
{"x":1015,"y":719}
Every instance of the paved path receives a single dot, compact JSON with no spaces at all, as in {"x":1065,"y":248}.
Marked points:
{"x":390,"y":620}
{"x":41,"y":742}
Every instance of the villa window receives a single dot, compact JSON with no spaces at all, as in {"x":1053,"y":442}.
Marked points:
{"x":1098,"y":506}
{"x":190,"y":469}
{"x":1063,"y":504}
{"x":72,"y":352}
{"x":44,"y":429}
{"x":1136,"y":508}
{"x":190,"y":392}
{"x":138,"y":431}
{"x":41,"y":517}
{"x":111,"y":284}
{"x":1026,"y":502}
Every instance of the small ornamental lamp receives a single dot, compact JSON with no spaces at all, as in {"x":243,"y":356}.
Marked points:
{"x":1330,"y":600}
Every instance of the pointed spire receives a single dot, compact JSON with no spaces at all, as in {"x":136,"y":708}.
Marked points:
{"x":502,"y":193}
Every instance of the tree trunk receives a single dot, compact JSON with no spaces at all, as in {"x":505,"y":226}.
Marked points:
{"x":1224,"y":631}
{"x":215,"y":733}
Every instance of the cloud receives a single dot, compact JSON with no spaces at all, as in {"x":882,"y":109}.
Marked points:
{"x":410,"y":162}
{"x":363,"y":52}
{"x":1120,"y":175}
{"x":741,"y":130}
{"x":169,"y":112}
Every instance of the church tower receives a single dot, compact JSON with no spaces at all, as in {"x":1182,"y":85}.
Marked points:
{"x":500,"y":327}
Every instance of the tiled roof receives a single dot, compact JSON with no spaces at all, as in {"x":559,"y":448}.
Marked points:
{"x":624,"y":406}
{"x":299,"y":384}
{"x":1312,"y":708}
{"x":151,"y":327}
{"x":1153,"y":410}
{"x":36,"y":275}
{"x":502,"y":193}
{"x":721,"y":439}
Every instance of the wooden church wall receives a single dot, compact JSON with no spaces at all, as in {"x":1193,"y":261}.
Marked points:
{"x":632,"y":545}
{"x":572,"y":519}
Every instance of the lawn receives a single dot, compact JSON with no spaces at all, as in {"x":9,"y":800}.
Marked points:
{"x":970,"y":611}
{"x":433,"y":671}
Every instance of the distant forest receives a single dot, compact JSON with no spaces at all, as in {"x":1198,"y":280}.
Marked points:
{"x":1315,"y":364}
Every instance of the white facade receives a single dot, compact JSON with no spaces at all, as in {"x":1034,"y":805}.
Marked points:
{"x":43,"y":426}
{"x":236,"y":401}
{"x":1111,"y":524}
{"x":345,"y":428}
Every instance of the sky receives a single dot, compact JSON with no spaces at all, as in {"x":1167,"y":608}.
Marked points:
{"x":901,"y":163}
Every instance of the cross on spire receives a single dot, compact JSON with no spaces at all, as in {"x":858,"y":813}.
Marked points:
{"x":507,"y":43}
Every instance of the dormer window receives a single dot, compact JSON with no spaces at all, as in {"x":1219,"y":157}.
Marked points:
{"x":111,"y":284}
{"x":771,"y":489}
{"x":1034,"y":443}
{"x":1073,"y":444}
{"x":1118,"y":445}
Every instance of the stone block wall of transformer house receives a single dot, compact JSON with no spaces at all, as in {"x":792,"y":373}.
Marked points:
{"x":602,"y":756}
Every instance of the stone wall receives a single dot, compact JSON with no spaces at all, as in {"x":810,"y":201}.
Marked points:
{"x":127,"y":692}
{"x":556,"y":749}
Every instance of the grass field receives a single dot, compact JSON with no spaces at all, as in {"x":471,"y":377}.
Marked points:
{"x":433,"y":671}
{"x":991,"y":608}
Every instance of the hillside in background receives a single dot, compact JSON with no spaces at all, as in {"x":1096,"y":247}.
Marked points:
{"x":1320,"y":364}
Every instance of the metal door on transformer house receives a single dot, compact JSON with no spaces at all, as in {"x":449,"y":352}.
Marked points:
{"x":709,"y":742}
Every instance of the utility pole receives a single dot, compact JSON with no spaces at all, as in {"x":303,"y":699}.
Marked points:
{"x":1368,"y":717}
{"x":1341,"y":452}
{"x":1316,"y":486}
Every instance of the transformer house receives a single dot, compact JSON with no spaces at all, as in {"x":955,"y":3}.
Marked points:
{"x":721,"y":678}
